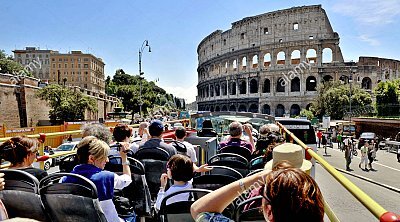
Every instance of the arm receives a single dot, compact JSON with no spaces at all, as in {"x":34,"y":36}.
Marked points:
{"x":218,"y":200}
{"x":251,"y":139}
{"x":126,"y":170}
{"x":161,"y":192}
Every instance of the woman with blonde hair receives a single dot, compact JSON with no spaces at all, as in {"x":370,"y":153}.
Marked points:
{"x":93,"y":155}
{"x":21,"y":152}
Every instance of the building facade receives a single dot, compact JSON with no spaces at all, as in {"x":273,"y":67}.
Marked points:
{"x":271,"y":63}
{"x":78,"y":69}
{"x":35,"y":60}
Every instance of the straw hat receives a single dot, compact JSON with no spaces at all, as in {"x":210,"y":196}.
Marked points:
{"x":290,"y":152}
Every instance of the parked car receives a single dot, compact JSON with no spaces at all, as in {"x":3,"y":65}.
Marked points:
{"x":65,"y":147}
{"x":47,"y":163}
{"x":366,"y":137}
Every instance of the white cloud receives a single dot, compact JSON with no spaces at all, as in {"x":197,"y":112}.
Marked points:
{"x":188,"y":93}
{"x":369,"y":12}
{"x":369,"y":40}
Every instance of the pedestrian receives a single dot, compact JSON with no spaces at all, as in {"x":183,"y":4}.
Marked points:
{"x":371,"y":154}
{"x":347,"y":153}
{"x":69,"y":138}
{"x":339,"y":140}
{"x":319,"y":136}
{"x":364,"y":157}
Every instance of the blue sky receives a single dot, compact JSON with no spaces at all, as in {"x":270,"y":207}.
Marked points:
{"x":115,"y":30}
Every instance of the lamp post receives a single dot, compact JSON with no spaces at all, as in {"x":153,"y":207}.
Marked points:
{"x":144,"y":45}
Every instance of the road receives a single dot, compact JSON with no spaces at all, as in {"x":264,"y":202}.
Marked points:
{"x":345,"y":206}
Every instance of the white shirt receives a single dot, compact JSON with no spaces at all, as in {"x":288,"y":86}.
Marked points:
{"x":108,"y":207}
{"x":176,"y":198}
{"x":190,"y":151}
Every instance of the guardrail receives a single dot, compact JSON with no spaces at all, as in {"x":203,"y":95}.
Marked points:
{"x":377,"y":210}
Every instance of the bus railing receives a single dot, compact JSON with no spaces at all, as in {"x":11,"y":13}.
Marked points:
{"x":377,"y":210}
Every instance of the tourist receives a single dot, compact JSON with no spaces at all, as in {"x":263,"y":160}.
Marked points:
{"x":122,"y":134}
{"x":97,"y":130}
{"x":156,"y":129}
{"x":364,"y":157}
{"x":21,"y":152}
{"x":235,"y":131}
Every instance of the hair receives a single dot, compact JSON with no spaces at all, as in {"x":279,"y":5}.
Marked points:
{"x":294,"y":195}
{"x":91,"y":145}
{"x":235,"y":129}
{"x":181,"y":167}
{"x":143,"y":125}
{"x":97,"y":130}
{"x":16,"y":149}
{"x":121,"y":132}
{"x":207,"y":124}
{"x":180,"y":132}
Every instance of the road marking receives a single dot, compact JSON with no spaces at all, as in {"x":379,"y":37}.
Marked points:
{"x":337,"y":150}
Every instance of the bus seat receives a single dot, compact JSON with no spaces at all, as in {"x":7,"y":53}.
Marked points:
{"x":21,"y":195}
{"x":231,"y":160}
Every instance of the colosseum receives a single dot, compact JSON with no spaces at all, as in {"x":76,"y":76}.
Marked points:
{"x":271,"y":63}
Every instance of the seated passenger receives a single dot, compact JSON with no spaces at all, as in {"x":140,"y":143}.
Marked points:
{"x":122,"y":134}
{"x":207,"y":129}
{"x":21,"y":152}
{"x":235,"y":131}
{"x":144,"y":132}
{"x":290,"y":194}
{"x":93,"y":156}
{"x":268,"y":135}
{"x":180,"y":134}
{"x":156,"y":129}
{"x":180,"y":170}
{"x":97,"y":130}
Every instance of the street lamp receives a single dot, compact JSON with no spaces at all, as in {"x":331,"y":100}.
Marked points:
{"x":144,"y":45}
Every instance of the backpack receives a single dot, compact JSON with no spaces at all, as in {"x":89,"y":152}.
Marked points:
{"x":180,"y":147}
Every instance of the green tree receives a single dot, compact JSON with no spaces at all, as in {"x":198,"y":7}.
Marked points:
{"x":66,"y":104}
{"x":387,"y":98}
{"x":307,"y":113}
{"x":334,"y":99}
{"x":8,"y":65}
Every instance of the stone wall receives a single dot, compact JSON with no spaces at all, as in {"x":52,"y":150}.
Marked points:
{"x":19,"y":107}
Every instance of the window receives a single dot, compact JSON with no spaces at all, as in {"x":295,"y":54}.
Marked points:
{"x":26,"y":61}
{"x":242,"y":36}
{"x":65,"y":60}
{"x":280,"y":40}
{"x":27,"y":55}
{"x":65,"y":65}
{"x":85,"y":66}
{"x":33,"y":56}
{"x":59,"y":65}
{"x":40,"y":56}
{"x":72,"y":65}
{"x":54,"y":66}
{"x":53,"y":60}
{"x":266,"y":31}
{"x":296,"y":26}
{"x":224,"y":41}
{"x":85,"y":59}
{"x":79,"y":66}
{"x":311,"y":37}
{"x":60,"y":59}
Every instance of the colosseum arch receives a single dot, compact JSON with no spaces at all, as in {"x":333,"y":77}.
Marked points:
{"x":212,"y":109}
{"x":267,"y":86}
{"x":295,"y":85}
{"x":207,"y":91}
{"x":267,"y":59}
{"x":253,"y":86}
{"x":207,"y":108}
{"x":308,"y":106}
{"x":211,"y":91}
{"x":311,"y":56}
{"x":255,"y":61}
{"x":294,"y":110}
{"x":366,"y":83}
{"x":242,"y":87}
{"x":280,"y":85}
{"x":281,"y":58}
{"x":327,"y":55}
{"x":224,"y":108}
{"x":232,"y":108}
{"x":232,"y":89}
{"x":295,"y":57}
{"x":253,"y":108}
{"x":217,"y":109}
{"x":226,"y":67}
{"x":311,"y":84}
{"x":217,"y":90}
{"x":224,"y":89}
{"x":242,"y":108}
{"x":280,"y":110}
{"x":327,"y":78}
{"x":234,"y":65}
{"x":344,"y":79}
{"x":266,"y":109}
{"x":244,"y":63}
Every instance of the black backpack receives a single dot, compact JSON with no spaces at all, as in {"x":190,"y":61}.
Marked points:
{"x":180,"y":147}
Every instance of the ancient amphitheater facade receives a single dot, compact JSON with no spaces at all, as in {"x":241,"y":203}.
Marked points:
{"x":271,"y":63}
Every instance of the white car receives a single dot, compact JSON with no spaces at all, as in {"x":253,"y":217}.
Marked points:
{"x":65,"y":147}
{"x":47,"y":163}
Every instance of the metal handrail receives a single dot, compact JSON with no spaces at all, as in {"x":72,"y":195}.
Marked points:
{"x":377,"y":210}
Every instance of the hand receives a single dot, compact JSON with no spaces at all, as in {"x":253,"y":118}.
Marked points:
{"x":203,"y":168}
{"x":124,"y":149}
{"x":164,"y":180}
{"x":247,"y":130}
{"x":2,"y":181}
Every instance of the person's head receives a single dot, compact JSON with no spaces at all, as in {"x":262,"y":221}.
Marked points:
{"x":97,"y":130}
{"x":235,"y":129}
{"x":264,"y":130}
{"x":122,"y":132}
{"x":156,"y":128}
{"x":180,"y":132}
{"x":366,"y":143}
{"x":142,"y":126}
{"x":180,"y":168}
{"x":92,"y":150}
{"x":19,"y":150}
{"x":290,"y":194}
{"x":207,"y":125}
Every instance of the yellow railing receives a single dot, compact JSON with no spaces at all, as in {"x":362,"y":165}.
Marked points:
{"x":377,"y":210}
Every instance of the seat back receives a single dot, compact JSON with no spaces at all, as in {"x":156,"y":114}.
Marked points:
{"x":75,"y":201}
{"x":257,"y":163}
{"x":242,"y":213}
{"x":153,"y":153}
{"x":138,"y":191}
{"x":179,"y":211}
{"x":223,"y":170}
{"x":21,"y":195}
{"x":67,"y":163}
{"x":240,"y":150}
{"x":212,"y":182}
{"x":231,"y":160}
